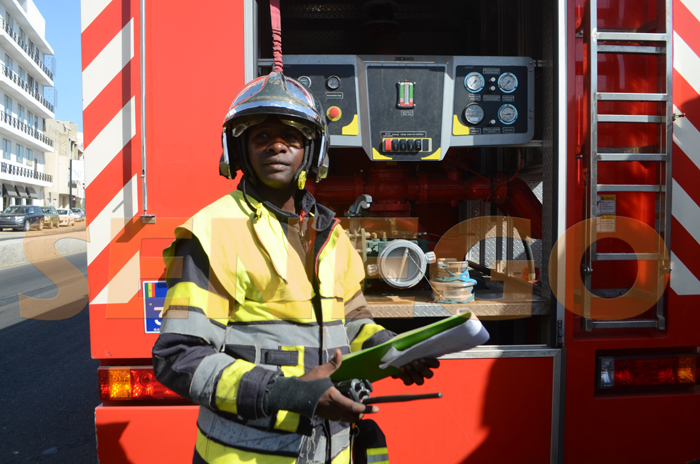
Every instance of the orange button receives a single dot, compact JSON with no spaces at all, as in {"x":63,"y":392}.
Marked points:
{"x":334,"y":113}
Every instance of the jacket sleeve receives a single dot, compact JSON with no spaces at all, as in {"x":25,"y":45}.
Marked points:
{"x":360,"y":328}
{"x":189,"y":356}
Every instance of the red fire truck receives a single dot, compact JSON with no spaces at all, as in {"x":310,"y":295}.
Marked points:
{"x":551,"y":145}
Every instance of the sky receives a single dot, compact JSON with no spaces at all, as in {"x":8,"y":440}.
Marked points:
{"x":63,"y":34}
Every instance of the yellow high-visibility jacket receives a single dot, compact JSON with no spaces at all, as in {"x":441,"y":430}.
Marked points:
{"x":243,"y":308}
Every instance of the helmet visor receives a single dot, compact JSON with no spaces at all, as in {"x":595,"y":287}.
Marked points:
{"x":239,"y":125}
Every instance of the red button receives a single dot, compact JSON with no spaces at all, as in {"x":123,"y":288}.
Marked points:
{"x":387,"y":144}
{"x":334,"y":112}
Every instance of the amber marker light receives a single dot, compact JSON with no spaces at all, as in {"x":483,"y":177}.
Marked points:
{"x":132,"y":383}
{"x":632,"y":372}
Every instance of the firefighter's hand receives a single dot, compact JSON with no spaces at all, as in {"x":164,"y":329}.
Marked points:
{"x":417,"y":371}
{"x":333,"y":405}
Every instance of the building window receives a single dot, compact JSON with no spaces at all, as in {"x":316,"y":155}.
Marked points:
{"x":6,"y":149}
{"x":22,"y":35}
{"x":20,"y":153}
{"x":8,"y":105}
{"x":36,"y":122}
{"x":22,"y":73}
{"x":9,"y":62}
{"x":20,"y":113}
{"x":30,"y":155}
{"x":9,"y":20}
{"x":30,"y":118}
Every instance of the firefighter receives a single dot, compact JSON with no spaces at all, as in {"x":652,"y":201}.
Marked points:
{"x":264,"y":296}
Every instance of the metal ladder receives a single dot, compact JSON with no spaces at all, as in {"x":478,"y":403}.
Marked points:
{"x":619,"y":42}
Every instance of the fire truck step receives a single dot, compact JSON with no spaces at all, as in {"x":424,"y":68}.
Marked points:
{"x":620,"y":96}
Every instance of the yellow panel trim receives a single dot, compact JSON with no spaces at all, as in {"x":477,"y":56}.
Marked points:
{"x":190,"y":294}
{"x":229,"y":383}
{"x":367,"y":331}
{"x":378,"y":156}
{"x":434,"y":156}
{"x":353,"y":128}
{"x":216,"y":453}
{"x":458,"y":128}
{"x":375,"y":451}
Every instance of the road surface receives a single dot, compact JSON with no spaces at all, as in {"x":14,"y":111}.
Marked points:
{"x":48,"y":382}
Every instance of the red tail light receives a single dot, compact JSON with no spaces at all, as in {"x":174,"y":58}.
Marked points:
{"x":132,"y":383}
{"x":631,"y":371}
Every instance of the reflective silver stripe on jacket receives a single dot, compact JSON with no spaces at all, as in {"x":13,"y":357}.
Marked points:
{"x":235,"y":435}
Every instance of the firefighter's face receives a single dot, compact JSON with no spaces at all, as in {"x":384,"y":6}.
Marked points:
{"x":276,"y":152}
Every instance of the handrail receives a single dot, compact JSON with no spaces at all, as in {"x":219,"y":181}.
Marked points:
{"x":24,"y":127}
{"x":11,"y":169}
{"x":14,"y":77}
{"x":23,"y":45}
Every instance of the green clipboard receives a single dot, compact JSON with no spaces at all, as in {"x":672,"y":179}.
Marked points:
{"x":365,"y":364}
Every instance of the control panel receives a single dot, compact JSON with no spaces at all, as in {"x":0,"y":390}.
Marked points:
{"x":415,"y":108}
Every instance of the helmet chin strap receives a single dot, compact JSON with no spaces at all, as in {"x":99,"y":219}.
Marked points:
{"x":300,"y":176}
{"x":301,"y":181}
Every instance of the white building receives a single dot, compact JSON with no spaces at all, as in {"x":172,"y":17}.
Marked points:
{"x":24,"y":110}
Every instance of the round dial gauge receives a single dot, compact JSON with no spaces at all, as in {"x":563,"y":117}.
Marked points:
{"x":474,"y":113}
{"x":305,"y":80}
{"x":333,"y":82}
{"x":474,"y":82}
{"x":508,"y":82}
{"x":507,"y":114}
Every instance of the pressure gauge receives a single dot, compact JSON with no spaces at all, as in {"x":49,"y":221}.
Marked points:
{"x":507,"y":114}
{"x":305,"y":81}
{"x":508,"y":82}
{"x":474,"y":113}
{"x":474,"y":82}
{"x":333,"y":82}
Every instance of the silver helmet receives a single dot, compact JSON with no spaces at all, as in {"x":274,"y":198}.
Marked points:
{"x":286,"y":98}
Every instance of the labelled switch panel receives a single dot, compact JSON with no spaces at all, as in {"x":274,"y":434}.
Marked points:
{"x":414,"y":108}
{"x":333,"y":80}
{"x":406,"y":145}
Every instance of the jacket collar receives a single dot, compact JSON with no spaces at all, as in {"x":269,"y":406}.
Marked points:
{"x":305,"y":204}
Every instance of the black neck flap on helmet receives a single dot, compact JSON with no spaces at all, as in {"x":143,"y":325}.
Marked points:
{"x":288,"y":100}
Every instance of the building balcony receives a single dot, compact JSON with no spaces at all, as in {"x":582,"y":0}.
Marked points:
{"x":27,"y":175}
{"x":28,"y":60}
{"x":24,"y":93}
{"x":32,"y":138}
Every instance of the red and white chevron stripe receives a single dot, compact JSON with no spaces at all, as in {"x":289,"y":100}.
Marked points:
{"x":685,"y":229}
{"x":111,"y":115}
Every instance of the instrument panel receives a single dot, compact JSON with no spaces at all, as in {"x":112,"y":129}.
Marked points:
{"x":414,"y":108}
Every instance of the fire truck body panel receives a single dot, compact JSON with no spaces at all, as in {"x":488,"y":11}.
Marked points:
{"x":536,"y":398}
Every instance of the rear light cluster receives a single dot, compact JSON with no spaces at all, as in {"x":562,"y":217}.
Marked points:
{"x":637,"y":371}
{"x":132,"y":383}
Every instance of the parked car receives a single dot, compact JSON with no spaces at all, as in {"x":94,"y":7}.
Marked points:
{"x":79,"y":214}
{"x":51,"y":218}
{"x":66,"y":217}
{"x":22,"y":217}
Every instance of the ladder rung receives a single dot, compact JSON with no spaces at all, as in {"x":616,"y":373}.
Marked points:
{"x":628,"y":257}
{"x":643,"y":118}
{"x":650,"y":323}
{"x":631,"y":157}
{"x":630,"y":188}
{"x":632,"y":37}
{"x":619,"y":96}
{"x":643,"y":49}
